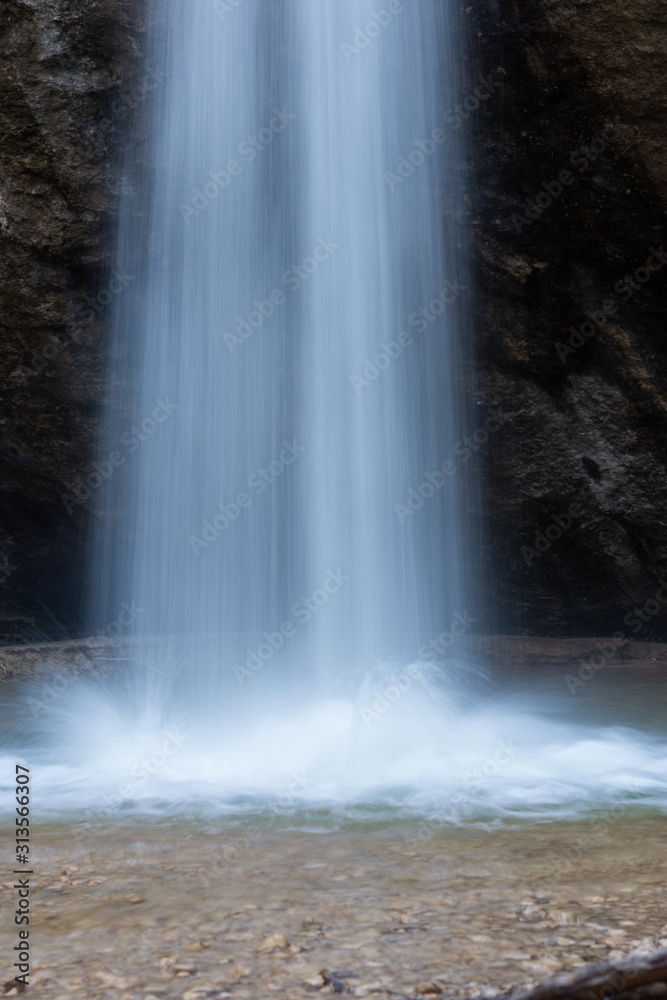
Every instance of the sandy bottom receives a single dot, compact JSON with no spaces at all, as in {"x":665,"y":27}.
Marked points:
{"x":250,"y":910}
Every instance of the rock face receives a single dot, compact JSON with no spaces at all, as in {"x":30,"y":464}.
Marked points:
{"x":72,"y":80}
{"x":568,"y":195}
{"x":569,"y":188}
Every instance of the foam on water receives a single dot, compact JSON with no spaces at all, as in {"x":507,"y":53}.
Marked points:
{"x":471,"y":757}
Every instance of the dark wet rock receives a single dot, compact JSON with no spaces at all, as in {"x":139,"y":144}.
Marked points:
{"x":586,"y":388}
{"x":72,"y":81}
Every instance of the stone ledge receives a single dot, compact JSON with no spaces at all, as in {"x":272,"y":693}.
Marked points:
{"x":535,"y":651}
{"x":105,"y":656}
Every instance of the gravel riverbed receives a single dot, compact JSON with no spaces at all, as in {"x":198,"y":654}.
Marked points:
{"x":239,"y":908}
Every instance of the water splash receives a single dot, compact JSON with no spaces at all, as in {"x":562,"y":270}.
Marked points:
{"x":413,"y":740}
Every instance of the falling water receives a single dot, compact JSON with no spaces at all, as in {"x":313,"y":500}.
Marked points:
{"x":296,"y":231}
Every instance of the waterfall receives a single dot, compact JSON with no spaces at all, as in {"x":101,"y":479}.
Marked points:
{"x":288,"y":460}
{"x":376,"y":376}
{"x":291,"y":507}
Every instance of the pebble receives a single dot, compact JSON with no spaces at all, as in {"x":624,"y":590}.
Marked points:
{"x":108,"y":979}
{"x":317,"y":981}
{"x":184,"y":968}
{"x":199,"y":992}
{"x":453,"y":927}
{"x":530,"y":914}
{"x":643,"y":947}
{"x":273,"y":942}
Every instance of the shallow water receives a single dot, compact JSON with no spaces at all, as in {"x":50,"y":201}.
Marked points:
{"x":159,"y":908}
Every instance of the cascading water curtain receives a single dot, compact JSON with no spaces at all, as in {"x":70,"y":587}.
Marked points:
{"x":291,"y":510}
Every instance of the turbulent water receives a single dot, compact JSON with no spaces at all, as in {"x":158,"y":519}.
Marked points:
{"x":287,"y":501}
{"x":393,"y":745}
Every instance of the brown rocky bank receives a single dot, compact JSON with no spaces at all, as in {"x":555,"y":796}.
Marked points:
{"x":105,"y":657}
{"x":586,"y":420}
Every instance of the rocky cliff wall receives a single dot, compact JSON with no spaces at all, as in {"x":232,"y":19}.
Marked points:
{"x":72,"y":82}
{"x":569,"y":187}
